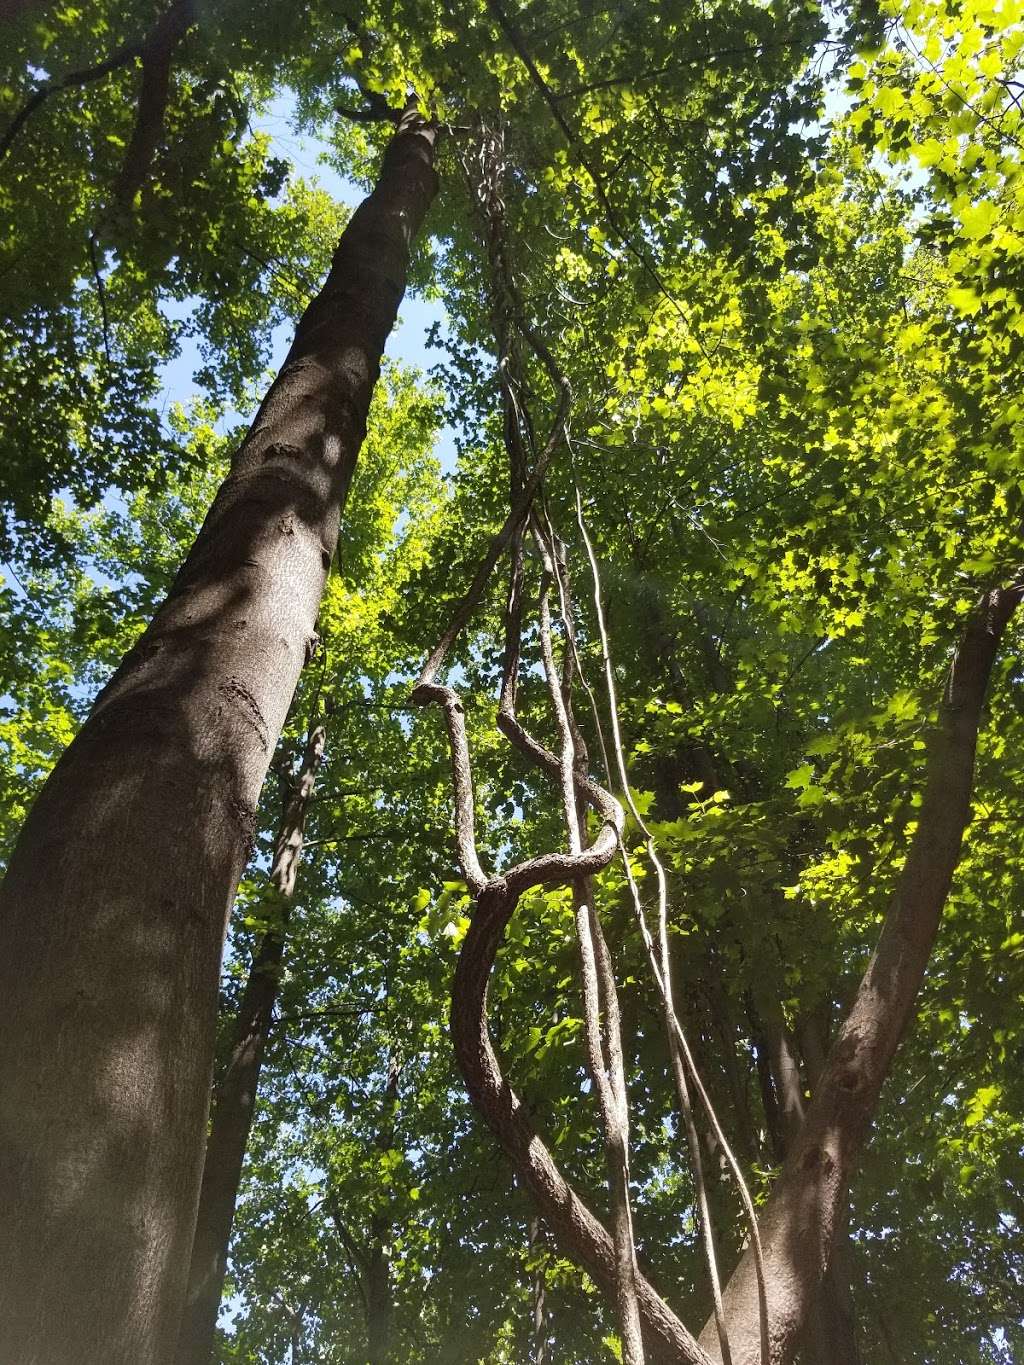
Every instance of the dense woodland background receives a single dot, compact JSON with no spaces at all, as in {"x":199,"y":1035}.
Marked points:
{"x":756,"y":266}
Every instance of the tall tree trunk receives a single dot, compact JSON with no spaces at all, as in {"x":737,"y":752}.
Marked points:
{"x":235,"y":1097}
{"x":113,"y":911}
{"x":378,"y":1296}
{"x":539,"y":1317}
{"x":807,"y":1206}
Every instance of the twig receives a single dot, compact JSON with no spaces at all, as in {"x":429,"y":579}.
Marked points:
{"x":101,"y":291}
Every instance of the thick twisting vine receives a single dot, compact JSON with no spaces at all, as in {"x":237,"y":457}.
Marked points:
{"x":612,"y":1258}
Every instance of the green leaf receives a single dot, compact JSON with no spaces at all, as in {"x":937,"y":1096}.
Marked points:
{"x":799,"y":777}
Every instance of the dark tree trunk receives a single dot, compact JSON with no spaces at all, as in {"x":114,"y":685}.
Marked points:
{"x":378,"y":1298}
{"x":829,"y":1336}
{"x":235,"y":1096}
{"x":377,"y":1261}
{"x":112,"y":915}
{"x":807,"y":1207}
{"x":539,"y":1323}
{"x":157,"y":54}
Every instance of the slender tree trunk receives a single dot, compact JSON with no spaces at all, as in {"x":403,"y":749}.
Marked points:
{"x":539,"y":1318}
{"x":378,"y":1297}
{"x":235,"y":1097}
{"x":808,"y":1203}
{"x":295,"y":1357}
{"x":377,"y":1263}
{"x":113,"y":911}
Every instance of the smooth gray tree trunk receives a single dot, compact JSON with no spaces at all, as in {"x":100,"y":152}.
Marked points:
{"x":113,"y":911}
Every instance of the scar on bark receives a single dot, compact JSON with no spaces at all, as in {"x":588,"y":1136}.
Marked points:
{"x":247,"y":707}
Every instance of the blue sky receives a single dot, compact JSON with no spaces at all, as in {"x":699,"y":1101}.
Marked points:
{"x":310,"y":158}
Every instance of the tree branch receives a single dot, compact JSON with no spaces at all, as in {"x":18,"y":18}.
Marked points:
{"x":157,"y":55}
{"x":120,"y":58}
{"x":101,"y":292}
{"x":379,"y":110}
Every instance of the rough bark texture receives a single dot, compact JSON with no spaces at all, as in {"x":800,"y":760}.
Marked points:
{"x":235,"y":1096}
{"x":112,"y":914}
{"x":807,"y":1207}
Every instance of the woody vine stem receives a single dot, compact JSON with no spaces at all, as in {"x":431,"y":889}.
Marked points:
{"x":644,"y":1320}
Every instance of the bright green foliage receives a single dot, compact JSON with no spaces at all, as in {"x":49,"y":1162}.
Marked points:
{"x":94,"y":298}
{"x":796,"y":432}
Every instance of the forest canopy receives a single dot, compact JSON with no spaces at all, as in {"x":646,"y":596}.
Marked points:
{"x":512,"y":854}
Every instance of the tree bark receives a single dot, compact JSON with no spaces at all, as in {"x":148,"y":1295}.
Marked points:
{"x":829,"y":1335}
{"x":157,"y":54}
{"x":807,"y":1206}
{"x":235,"y":1098}
{"x":538,"y":1294}
{"x":113,"y":911}
{"x":377,"y":1265}
{"x":378,"y":1300}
